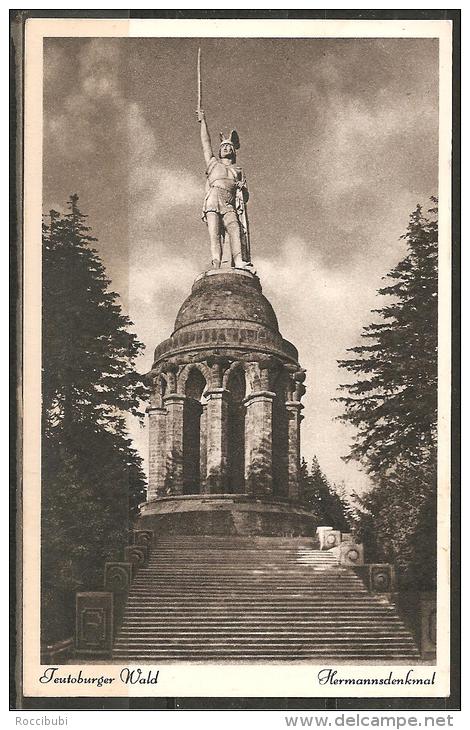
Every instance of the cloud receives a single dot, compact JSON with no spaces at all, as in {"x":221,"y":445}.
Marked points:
{"x":99,"y":62}
{"x":367,"y":131}
{"x":154,"y":189}
{"x":322,"y":310}
{"x":75,"y":128}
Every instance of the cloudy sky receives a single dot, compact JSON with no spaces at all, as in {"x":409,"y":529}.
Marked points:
{"x":338,"y":143}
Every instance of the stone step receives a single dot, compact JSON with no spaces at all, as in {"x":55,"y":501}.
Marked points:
{"x":256,"y":590}
{"x":255,"y":599}
{"x":251,"y":576}
{"x":268,"y":563}
{"x":275,"y":594}
{"x":253,"y":588}
{"x":272,"y":549}
{"x":193,"y":552}
{"x":265,"y":565}
{"x":245,"y":563}
{"x":228,"y":542}
{"x":242,"y":652}
{"x":290,"y":602}
{"x":251,"y":583}
{"x":145,"y":631}
{"x":282,"y":612}
{"x":280,"y":622}
{"x":270,"y":641}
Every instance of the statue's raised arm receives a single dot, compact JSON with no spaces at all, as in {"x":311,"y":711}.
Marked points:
{"x":205,"y":136}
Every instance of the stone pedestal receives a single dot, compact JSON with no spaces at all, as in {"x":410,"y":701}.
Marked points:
{"x":228,"y":514}
{"x":216,"y":412}
{"x":157,"y":452}
{"x":94,"y":623}
{"x":294,"y":417}
{"x":174,"y":405}
{"x":259,"y":443}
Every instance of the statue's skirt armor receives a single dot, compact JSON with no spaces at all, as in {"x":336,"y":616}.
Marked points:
{"x":219,"y":200}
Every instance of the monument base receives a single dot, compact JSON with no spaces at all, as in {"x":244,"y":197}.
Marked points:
{"x":225,"y":514}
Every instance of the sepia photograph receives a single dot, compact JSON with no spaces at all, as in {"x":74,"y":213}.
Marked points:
{"x":237,"y":358}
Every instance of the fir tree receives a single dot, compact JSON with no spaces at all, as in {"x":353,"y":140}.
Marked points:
{"x":393,"y":405}
{"x":322,"y":498}
{"x":92,"y":479}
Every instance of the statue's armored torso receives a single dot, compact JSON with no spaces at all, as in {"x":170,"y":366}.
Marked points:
{"x":227,"y":175}
{"x":221,"y":187}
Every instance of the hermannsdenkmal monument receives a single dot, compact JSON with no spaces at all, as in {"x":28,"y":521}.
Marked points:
{"x":225,"y":413}
{"x":226,"y":563}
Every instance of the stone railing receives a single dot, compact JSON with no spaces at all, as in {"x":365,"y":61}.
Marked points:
{"x":98,"y":614}
{"x":380,"y":579}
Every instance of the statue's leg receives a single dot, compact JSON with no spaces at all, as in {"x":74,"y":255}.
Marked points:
{"x":232,"y":227}
{"x":213,"y":224}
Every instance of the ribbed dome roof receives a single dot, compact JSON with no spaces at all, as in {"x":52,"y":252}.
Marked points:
{"x":229,"y":294}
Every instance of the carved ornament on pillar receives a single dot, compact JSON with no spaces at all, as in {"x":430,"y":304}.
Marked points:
{"x":94,"y":622}
{"x":299,"y":379}
{"x":266,"y":366}
{"x":217,"y":365}
{"x":170,"y":369}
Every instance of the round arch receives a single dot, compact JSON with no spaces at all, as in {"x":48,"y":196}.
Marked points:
{"x":186,"y":372}
{"x":247,"y":370}
{"x":194,"y":430}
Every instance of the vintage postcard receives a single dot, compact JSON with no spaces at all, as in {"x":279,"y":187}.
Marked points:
{"x":236,"y":476}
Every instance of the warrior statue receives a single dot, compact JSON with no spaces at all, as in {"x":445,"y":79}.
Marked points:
{"x":224,"y":208}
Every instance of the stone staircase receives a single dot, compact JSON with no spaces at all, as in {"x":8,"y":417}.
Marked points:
{"x":255,"y":599}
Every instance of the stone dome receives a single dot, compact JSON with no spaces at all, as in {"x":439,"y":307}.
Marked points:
{"x":226,"y":313}
{"x":227,"y":295}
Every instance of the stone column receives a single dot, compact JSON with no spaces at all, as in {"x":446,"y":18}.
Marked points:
{"x":174,"y":404}
{"x":294,"y":417}
{"x":259,"y":443}
{"x":157,"y":452}
{"x":217,"y":441}
{"x":203,"y":447}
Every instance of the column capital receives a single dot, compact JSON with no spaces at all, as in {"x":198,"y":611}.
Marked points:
{"x":259,"y":395}
{"x":216,"y":393}
{"x":155,"y":409}
{"x":294,"y":405}
{"x":174,"y":398}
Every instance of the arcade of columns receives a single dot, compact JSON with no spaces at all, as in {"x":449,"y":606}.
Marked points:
{"x":224,"y":425}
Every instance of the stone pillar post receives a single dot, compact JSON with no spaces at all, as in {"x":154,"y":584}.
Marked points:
{"x":294,"y":417}
{"x":157,"y":452}
{"x":174,"y":404}
{"x":259,"y":443}
{"x":217,"y":440}
{"x":203,"y":451}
